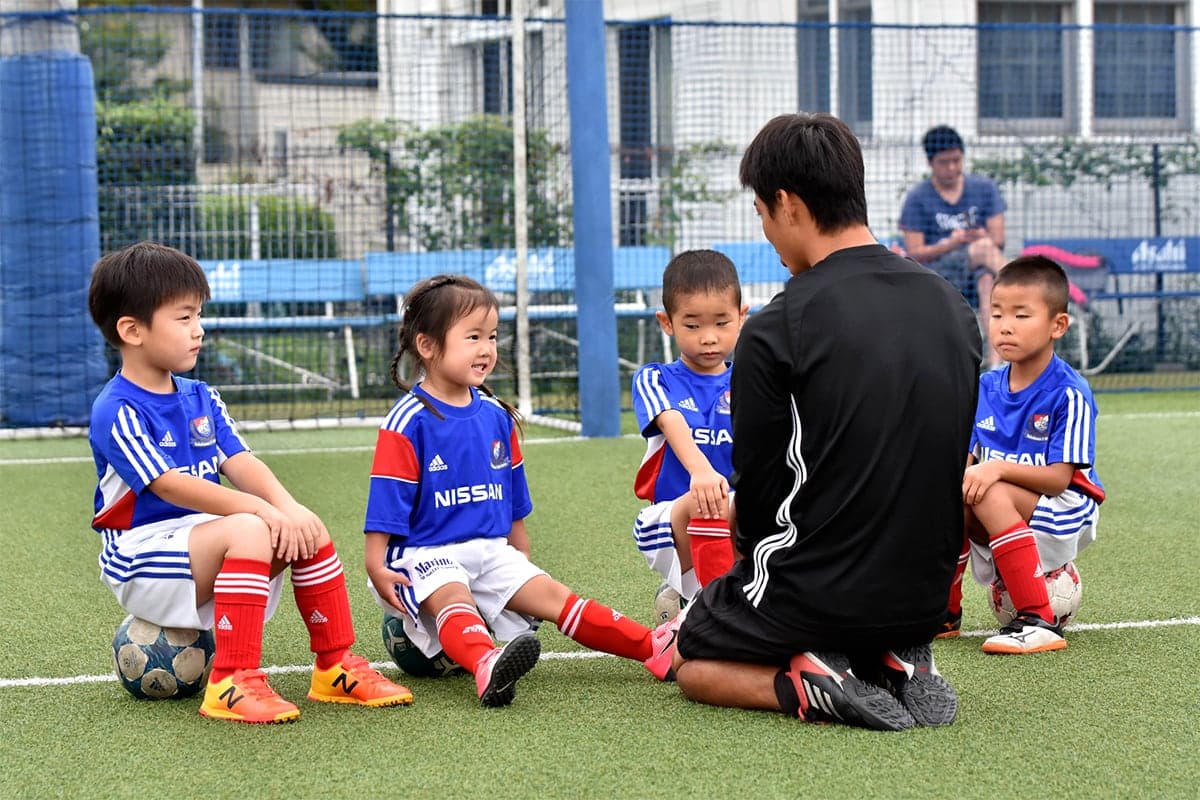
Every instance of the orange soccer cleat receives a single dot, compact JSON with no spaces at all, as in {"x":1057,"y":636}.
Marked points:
{"x":245,"y":696}
{"x":355,"y":681}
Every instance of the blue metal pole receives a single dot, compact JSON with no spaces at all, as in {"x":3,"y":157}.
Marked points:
{"x":599,"y":390}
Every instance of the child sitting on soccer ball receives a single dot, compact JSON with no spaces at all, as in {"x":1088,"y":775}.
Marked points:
{"x":447,"y":550}
{"x":1031,"y":493}
{"x":182,"y":550}
{"x":682,"y":410}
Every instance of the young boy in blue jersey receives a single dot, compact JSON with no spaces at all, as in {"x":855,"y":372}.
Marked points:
{"x":179,"y":548}
{"x":1031,"y":493}
{"x":446,"y":549}
{"x":682,"y":410}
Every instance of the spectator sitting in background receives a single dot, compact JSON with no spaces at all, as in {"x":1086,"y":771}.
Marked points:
{"x":954,"y":223}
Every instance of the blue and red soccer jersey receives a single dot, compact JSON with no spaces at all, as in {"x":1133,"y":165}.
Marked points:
{"x":137,"y":435}
{"x":704,"y":402}
{"x":1052,"y":421}
{"x":438,"y":481}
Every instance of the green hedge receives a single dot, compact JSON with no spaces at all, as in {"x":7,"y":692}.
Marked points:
{"x":288,"y":228}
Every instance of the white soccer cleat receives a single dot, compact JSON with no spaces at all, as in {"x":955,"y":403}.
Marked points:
{"x":1028,"y":633}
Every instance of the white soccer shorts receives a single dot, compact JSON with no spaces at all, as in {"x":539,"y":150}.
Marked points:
{"x":492,"y":570}
{"x":1062,"y":527}
{"x":652,"y":535}
{"x":149,"y":571}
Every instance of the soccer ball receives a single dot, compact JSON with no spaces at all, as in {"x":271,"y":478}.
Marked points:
{"x":1063,"y":586}
{"x":155,"y":663}
{"x":667,"y":604}
{"x":409,"y":657}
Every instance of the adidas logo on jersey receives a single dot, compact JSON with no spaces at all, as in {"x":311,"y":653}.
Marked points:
{"x":988,"y":424}
{"x":224,"y":624}
{"x":317,"y":618}
{"x":437,"y":465}
{"x":167,"y":441}
{"x":689,"y":404}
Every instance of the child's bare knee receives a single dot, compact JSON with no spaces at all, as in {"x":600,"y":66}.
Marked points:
{"x":251,"y":538}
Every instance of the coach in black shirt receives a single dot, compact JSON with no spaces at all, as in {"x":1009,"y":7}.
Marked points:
{"x":853,"y":393}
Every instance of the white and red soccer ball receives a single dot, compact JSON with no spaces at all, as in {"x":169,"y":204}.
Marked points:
{"x":1062,"y":585}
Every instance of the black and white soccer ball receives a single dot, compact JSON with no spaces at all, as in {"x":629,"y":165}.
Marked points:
{"x":156,"y":663}
{"x":1062,"y":585}
{"x":409,"y":657}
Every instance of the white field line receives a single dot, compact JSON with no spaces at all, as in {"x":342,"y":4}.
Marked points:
{"x":363,"y":448}
{"x":12,"y":683}
{"x":25,"y":462}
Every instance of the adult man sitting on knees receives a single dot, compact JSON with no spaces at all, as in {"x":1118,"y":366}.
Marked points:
{"x":847,"y":460}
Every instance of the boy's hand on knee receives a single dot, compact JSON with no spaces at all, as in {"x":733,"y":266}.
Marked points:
{"x":978,"y":478}
{"x":311,"y":533}
{"x":710,"y":492}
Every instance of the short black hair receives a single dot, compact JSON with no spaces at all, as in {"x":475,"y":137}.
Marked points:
{"x":815,"y":157}
{"x":1038,"y":271}
{"x":939,"y":138}
{"x":698,"y":272}
{"x":138,"y":280}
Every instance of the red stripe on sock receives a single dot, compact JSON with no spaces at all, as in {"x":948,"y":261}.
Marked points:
{"x":711,"y":548}
{"x":1020,"y":567}
{"x":596,"y":626}
{"x":464,"y":635}
{"x":319,"y":585}
{"x":239,"y":605}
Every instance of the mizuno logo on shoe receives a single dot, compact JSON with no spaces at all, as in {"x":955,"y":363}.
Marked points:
{"x":437,"y":465}
{"x":167,"y":440}
{"x":689,"y":404}
{"x":987,"y":424}
{"x":224,"y":624}
{"x":316,"y":617}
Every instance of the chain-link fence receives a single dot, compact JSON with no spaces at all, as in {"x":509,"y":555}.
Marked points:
{"x":315,"y":163}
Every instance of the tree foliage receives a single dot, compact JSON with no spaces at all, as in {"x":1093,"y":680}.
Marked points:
{"x":686,"y":186}
{"x":451,"y":187}
{"x":1063,"y":162}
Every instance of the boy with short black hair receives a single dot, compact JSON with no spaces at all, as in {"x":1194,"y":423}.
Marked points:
{"x":683,"y":412}
{"x":182,"y":550}
{"x":1031,"y":493}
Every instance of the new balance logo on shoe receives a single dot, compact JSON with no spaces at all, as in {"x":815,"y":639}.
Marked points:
{"x":224,"y":624}
{"x":231,"y":697}
{"x":317,"y":618}
{"x":689,"y":404}
{"x":987,"y":424}
{"x":167,"y":441}
{"x":344,"y":683}
{"x":437,"y":465}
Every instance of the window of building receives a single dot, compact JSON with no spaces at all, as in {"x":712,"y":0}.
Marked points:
{"x":638,"y":130}
{"x":1026,"y":68}
{"x":854,"y":57}
{"x":223,"y":42}
{"x":634,"y":77}
{"x":285,"y":48}
{"x":495,"y":59}
{"x":812,"y":50}
{"x":1138,"y":69}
